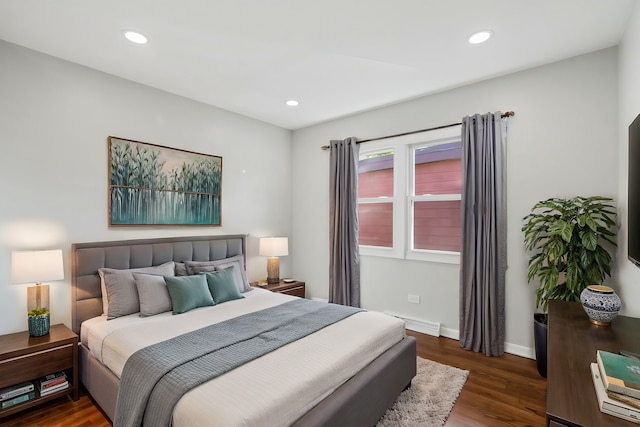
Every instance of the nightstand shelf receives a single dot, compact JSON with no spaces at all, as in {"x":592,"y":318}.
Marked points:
{"x":295,"y":288}
{"x":25,"y":358}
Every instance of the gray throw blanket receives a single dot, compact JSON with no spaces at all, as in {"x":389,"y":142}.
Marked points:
{"x":156,"y":377}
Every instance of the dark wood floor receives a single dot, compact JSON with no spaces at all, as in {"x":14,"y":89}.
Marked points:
{"x":500,"y":391}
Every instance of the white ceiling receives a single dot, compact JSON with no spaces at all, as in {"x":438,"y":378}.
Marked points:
{"x":337,"y":57}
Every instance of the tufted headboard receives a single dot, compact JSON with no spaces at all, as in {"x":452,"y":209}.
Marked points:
{"x":87,"y":258}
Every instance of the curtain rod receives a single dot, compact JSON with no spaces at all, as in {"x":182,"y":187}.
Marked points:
{"x":505,"y":114}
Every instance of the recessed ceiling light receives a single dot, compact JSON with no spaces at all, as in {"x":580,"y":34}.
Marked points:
{"x":480,"y":37}
{"x":292,"y":103}
{"x":135,"y":37}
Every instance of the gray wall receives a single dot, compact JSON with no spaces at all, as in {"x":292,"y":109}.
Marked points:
{"x":55,"y":118}
{"x":563,"y":141}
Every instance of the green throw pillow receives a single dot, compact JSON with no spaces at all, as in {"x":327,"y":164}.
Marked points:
{"x":222,"y":285}
{"x":188,"y":292}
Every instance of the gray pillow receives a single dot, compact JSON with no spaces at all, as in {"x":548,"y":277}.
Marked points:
{"x":153,"y":294}
{"x":188,"y":292}
{"x":120,"y":288}
{"x":181,"y":269}
{"x":222,"y":285}
{"x":195,"y":267}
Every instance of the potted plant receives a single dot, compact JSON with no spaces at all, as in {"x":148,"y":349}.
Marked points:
{"x":38,"y":322}
{"x":568,"y":239}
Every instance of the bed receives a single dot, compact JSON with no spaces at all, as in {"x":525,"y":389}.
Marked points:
{"x":356,"y":398}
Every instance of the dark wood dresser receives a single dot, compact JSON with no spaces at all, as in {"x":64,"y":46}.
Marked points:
{"x":573,"y":341}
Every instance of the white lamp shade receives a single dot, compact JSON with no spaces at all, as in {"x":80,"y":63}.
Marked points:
{"x":274,"y":246}
{"x":36,"y":266}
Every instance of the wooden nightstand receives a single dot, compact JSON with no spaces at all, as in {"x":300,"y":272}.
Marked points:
{"x":295,"y":288}
{"x":25,"y":358}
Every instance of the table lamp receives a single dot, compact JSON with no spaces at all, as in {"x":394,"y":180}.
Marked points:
{"x":273,"y":247}
{"x":36,"y":267}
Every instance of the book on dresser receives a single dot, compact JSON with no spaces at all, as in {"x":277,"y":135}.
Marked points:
{"x":54,"y":389}
{"x":53,"y":383}
{"x":8,"y":393}
{"x":611,"y":406}
{"x":18,"y":399}
{"x":620,"y":374}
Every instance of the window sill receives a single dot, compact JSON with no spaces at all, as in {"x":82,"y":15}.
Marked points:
{"x":441,"y":257}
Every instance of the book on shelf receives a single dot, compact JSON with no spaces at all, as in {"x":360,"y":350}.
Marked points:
{"x":54,"y":389}
{"x":52,"y":380}
{"x":620,"y":374}
{"x":18,"y":399}
{"x":611,"y":406}
{"x":7,"y":393}
{"x":631,"y":401}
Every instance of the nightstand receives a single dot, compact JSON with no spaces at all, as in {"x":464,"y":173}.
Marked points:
{"x":295,"y":288}
{"x":25,"y":358}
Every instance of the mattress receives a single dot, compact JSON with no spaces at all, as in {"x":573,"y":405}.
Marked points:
{"x":273,"y":390}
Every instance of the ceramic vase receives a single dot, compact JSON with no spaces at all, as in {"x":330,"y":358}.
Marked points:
{"x":600,"y":303}
{"x":39,"y":325}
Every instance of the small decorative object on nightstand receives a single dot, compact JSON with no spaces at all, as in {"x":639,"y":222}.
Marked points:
{"x":37,"y":266}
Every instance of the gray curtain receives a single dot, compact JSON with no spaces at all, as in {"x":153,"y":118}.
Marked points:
{"x":344,"y":263}
{"x":483,"y":256}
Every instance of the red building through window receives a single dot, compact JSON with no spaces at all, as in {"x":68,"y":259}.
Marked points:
{"x":437,"y":223}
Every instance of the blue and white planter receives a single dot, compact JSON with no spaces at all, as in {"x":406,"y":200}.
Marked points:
{"x":39,"y":325}
{"x":600,"y":303}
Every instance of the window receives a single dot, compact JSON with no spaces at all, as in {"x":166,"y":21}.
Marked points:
{"x":375,"y":199}
{"x":409,"y":196}
{"x":435,"y":200}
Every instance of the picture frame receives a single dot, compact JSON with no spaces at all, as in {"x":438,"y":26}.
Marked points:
{"x":152,"y":184}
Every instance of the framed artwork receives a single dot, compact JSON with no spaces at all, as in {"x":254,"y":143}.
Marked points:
{"x":154,"y":185}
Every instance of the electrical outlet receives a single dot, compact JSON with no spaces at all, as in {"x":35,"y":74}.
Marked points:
{"x":413,"y":298}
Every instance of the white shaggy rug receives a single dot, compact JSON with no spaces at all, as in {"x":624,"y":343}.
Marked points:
{"x":430,"y":398}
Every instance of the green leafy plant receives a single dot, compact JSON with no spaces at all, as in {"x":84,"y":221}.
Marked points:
{"x":567,"y":237}
{"x":38,"y":311}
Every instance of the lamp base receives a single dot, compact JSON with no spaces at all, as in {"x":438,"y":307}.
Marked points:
{"x":273,"y":270}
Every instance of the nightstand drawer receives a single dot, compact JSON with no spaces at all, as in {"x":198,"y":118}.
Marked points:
{"x":34,"y":365}
{"x":297,"y":291}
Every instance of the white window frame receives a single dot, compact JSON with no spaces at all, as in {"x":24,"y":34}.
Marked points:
{"x":399,"y":154}
{"x":403,"y":199}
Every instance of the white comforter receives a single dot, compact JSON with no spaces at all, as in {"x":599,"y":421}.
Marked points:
{"x":273,"y":390}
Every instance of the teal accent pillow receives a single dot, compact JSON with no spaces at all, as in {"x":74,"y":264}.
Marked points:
{"x":188,"y":292}
{"x":222,"y":285}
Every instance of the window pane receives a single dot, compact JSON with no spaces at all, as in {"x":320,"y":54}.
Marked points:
{"x":375,"y":178}
{"x":438,"y":169}
{"x":437,"y":225}
{"x":375,"y":221}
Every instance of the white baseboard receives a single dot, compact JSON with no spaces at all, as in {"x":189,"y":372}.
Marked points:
{"x":415,"y":325}
{"x":319,"y":299}
{"x":422,"y":326}
{"x":520,"y":350}
{"x":454,"y":334}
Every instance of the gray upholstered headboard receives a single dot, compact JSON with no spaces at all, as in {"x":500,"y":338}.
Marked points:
{"x":87,"y":258}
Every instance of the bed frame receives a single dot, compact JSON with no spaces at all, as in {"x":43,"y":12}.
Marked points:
{"x":361,"y":401}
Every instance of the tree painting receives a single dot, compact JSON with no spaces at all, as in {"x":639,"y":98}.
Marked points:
{"x":155,"y":185}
